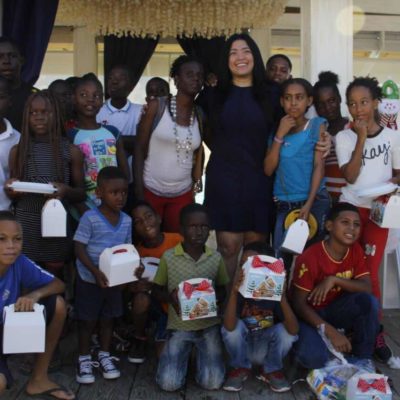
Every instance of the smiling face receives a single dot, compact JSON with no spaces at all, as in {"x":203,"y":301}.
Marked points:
{"x":345,"y":228}
{"x":146,"y":222}
{"x":361,"y":105}
{"x":278,"y":70}
{"x":327,"y":104}
{"x":88,"y":98}
{"x":241,"y":61}
{"x":10,"y":242}
{"x":190,"y":78}
{"x":39,"y":116}
{"x":295,"y":100}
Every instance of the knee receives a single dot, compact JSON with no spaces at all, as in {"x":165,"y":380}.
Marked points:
{"x":236,"y":336}
{"x":284,"y":338}
{"x":141,"y":303}
{"x":229,"y":248}
{"x":169,"y":380}
{"x":367,"y":303}
{"x":60,"y":310}
{"x":212,"y":378}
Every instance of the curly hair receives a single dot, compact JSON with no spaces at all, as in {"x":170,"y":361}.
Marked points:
{"x":181,"y":60}
{"x":369,"y":83}
{"x":327,"y":79}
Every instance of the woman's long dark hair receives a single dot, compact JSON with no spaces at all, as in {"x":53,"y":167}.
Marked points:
{"x":56,"y":133}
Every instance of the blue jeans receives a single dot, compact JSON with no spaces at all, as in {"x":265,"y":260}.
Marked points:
{"x":210,"y":369}
{"x":266,"y":347}
{"x":319,"y":209}
{"x":355,"y":312}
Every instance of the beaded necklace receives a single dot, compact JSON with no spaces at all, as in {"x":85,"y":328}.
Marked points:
{"x":182,"y":145}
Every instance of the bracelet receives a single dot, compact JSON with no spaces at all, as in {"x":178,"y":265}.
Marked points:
{"x":277,"y":140}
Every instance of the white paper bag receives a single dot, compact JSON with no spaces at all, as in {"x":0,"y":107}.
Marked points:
{"x":296,"y":237}
{"x":54,"y":219}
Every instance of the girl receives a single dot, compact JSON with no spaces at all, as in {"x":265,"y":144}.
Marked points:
{"x":299,"y":180}
{"x":368,"y":155}
{"x":327,"y":101}
{"x":168,"y":141}
{"x":43,"y":155}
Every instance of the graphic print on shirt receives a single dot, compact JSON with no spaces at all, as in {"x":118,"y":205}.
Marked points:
{"x":376,"y":152}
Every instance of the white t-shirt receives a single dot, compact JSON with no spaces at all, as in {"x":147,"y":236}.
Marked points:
{"x":380,"y":156}
{"x":8,"y":139}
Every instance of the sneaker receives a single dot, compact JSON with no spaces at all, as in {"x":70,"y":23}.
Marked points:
{"x":137,"y":353}
{"x":235,"y":379}
{"x":84,"y":372}
{"x":276,"y":380}
{"x":108,"y":368}
{"x":382,"y":351}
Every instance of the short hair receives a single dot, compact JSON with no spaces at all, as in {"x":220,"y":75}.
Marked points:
{"x":191,"y":209}
{"x":369,"y":83}
{"x":72,"y":81}
{"x":260,"y":248}
{"x":108,"y":173}
{"x":181,"y":60}
{"x":143,"y":203}
{"x":6,"y":83}
{"x":87,"y":78}
{"x":5,"y":39}
{"x":56,"y":83}
{"x":125,"y":68}
{"x":8,"y":216}
{"x":298,"y":81}
{"x":158,"y":80}
{"x":283,"y":56}
{"x":338,"y":208}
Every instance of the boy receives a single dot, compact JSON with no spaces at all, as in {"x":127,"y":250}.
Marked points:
{"x":278,"y":68}
{"x":252,"y":333}
{"x":156,"y":87}
{"x":332,"y":291}
{"x":190,"y":259}
{"x":18,"y":273}
{"x":8,"y":138}
{"x":100,"y":228}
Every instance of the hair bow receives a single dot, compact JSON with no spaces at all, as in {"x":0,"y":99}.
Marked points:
{"x":276,"y":266}
{"x":203,"y":286}
{"x":377,"y":384}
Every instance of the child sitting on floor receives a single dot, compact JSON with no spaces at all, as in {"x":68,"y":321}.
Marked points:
{"x":96,"y":303}
{"x":332,"y":291}
{"x":257,"y":332}
{"x":190,"y":259}
{"x":18,"y":273}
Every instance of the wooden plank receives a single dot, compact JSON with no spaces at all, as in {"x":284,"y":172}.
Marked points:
{"x":254,"y":389}
{"x":194,"y":391}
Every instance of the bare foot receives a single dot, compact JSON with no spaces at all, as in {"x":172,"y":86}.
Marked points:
{"x":46,"y":385}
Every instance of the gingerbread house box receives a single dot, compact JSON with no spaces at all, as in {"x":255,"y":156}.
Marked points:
{"x":197,"y":299}
{"x":385,"y":211}
{"x":264,"y":277}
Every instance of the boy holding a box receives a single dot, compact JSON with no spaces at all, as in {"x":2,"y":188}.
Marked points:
{"x":332,"y":291}
{"x":190,"y":259}
{"x":17,"y":272}
{"x":96,"y":303}
{"x":257,"y":332}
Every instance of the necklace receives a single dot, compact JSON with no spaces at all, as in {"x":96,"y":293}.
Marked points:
{"x":183,"y":147}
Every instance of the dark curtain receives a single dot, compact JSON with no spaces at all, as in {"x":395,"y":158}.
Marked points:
{"x":208,"y":51}
{"x":29,"y":24}
{"x":132,"y":51}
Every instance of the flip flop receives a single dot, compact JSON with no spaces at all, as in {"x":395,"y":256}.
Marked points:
{"x":49,"y":394}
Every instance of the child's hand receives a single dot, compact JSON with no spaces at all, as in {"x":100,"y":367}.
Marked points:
{"x":139,"y":271}
{"x":25,"y":303}
{"x":304,"y":212}
{"x":339,"y":341}
{"x":239,"y":278}
{"x":101,"y":279}
{"x":175,"y":302}
{"x":284,"y":290}
{"x":319,"y":293}
{"x":141,"y":285}
{"x":61,"y":192}
{"x":10,"y":192}
{"x":286,"y":124}
{"x":361,"y":128}
{"x":324,"y":144}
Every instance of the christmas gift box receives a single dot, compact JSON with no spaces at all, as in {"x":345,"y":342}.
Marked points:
{"x":389,"y":106}
{"x":150,"y":265}
{"x":197,"y":299}
{"x":385,"y":211}
{"x":54,"y":219}
{"x":119,"y":263}
{"x":296,"y":237}
{"x":264,"y":278}
{"x":368,"y":387}
{"x":24,"y":332}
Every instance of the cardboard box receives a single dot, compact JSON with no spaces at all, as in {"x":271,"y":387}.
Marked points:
{"x":150,"y":265}
{"x":24,"y":332}
{"x":296,"y":237}
{"x":385,"y":211}
{"x":119,"y":263}
{"x":368,"y":387}
{"x":264,"y":278}
{"x":54,"y":219}
{"x":197,"y":299}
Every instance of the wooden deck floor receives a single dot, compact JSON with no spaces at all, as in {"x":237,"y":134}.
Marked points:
{"x":137,"y":382}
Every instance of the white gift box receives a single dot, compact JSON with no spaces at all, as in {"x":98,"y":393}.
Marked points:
{"x":264,"y":277}
{"x":385,"y":211}
{"x":368,"y":387}
{"x":197,"y":299}
{"x":150,"y":265}
{"x":296,"y":237}
{"x":24,"y":332}
{"x":118,"y":264}
{"x":54,"y":219}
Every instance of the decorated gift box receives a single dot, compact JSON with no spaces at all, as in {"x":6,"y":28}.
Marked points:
{"x":197,"y":299}
{"x":54,"y":219}
{"x":385,"y":211}
{"x":264,"y":278}
{"x":368,"y":387}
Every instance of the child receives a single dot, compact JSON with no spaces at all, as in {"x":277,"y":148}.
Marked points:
{"x":100,"y":145}
{"x":44,"y":155}
{"x":331,"y":290}
{"x":20,"y":275}
{"x":299,"y":166}
{"x":156,"y":87}
{"x":279,"y":68}
{"x":9,"y":137}
{"x":152,"y":243}
{"x":368,"y":156}
{"x":327,"y":101}
{"x":100,"y":228}
{"x":63,"y":93}
{"x":252,"y":333}
{"x":190,"y":259}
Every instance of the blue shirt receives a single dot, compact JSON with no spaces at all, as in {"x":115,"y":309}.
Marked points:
{"x":97,"y":233}
{"x":296,"y":163}
{"x":22,"y":274}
